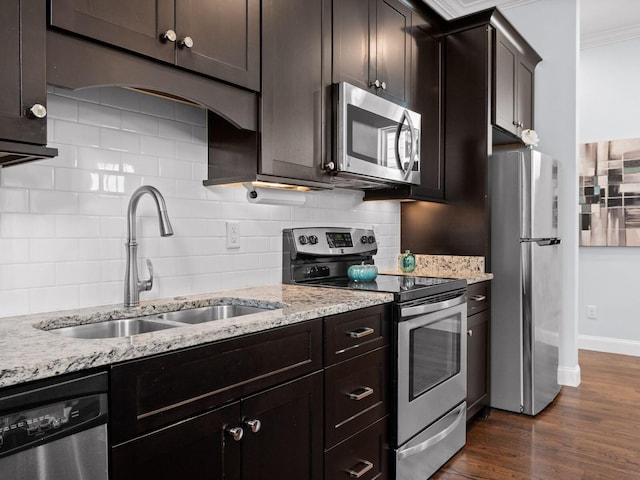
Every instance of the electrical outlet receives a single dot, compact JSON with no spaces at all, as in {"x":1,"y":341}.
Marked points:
{"x":233,"y":234}
{"x":592,"y":311}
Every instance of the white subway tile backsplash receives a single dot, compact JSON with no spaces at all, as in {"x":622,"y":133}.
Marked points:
{"x":16,"y":225}
{"x":119,"y":140}
{"x":30,"y":175}
{"x":13,"y":251}
{"x":100,"y":115}
{"x":139,"y":123}
{"x":14,"y":200}
{"x":63,"y":221}
{"x":51,"y":201}
{"x":77,"y":226}
{"x":17,"y":276}
{"x":72,"y":133}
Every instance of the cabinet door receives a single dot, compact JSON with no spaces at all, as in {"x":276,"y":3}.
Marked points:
{"x":505,"y":85}
{"x":197,"y":449}
{"x":225,"y":37}
{"x":289,"y":441}
{"x":132,"y":25}
{"x":22,"y":75}
{"x":393,"y":47}
{"x":524,"y":94}
{"x":426,"y":99}
{"x":354,"y":46}
{"x":477,"y":326}
{"x":294,"y":85}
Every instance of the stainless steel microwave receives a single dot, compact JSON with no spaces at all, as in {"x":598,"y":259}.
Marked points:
{"x":377,"y":141}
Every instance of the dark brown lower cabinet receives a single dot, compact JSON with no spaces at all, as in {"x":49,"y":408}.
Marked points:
{"x":478,"y":324}
{"x":287,"y":443}
{"x":364,"y":455}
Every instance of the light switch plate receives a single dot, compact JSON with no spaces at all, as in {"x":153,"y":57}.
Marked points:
{"x":233,"y":234}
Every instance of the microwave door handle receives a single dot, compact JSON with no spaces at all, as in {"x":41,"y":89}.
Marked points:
{"x":406,"y":172}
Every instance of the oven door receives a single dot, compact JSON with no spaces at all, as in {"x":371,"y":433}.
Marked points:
{"x":376,"y":137}
{"x":431,"y":363}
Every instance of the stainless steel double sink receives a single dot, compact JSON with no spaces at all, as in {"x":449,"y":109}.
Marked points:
{"x":162,"y":321}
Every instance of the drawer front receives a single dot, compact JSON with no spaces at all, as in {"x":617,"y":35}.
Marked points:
{"x":362,"y":456}
{"x":351,"y":334}
{"x":157,"y":391}
{"x":477,"y":297}
{"x":355,"y":394}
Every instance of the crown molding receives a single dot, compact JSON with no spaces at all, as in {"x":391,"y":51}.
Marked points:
{"x":608,"y":37}
{"x":457,"y":8}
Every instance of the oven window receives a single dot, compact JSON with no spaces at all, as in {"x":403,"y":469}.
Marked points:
{"x":434,"y":355}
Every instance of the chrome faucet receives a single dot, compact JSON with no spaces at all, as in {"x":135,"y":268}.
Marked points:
{"x":132,"y":284}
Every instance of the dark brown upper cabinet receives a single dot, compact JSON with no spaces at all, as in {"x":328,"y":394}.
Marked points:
{"x":23,"y":114}
{"x":426,"y":67}
{"x":372,"y":46}
{"x":291,"y":147}
{"x":513,"y":89}
{"x":217,"y":38}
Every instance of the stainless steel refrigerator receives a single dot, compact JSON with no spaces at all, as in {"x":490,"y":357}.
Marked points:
{"x":526,"y":304}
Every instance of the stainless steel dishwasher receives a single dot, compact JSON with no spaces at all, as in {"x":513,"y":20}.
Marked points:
{"x":55,"y":429}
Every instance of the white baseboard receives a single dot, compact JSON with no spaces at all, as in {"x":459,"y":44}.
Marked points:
{"x":569,"y":376}
{"x":609,"y":345}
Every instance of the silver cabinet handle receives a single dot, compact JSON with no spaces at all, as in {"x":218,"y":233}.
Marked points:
{"x":169,"y":36}
{"x":360,"y":393}
{"x":37,"y":110}
{"x":383,"y":85}
{"x":376,"y":83}
{"x":235,"y":432}
{"x":470,"y":333}
{"x":186,"y":42}
{"x":360,"y":332}
{"x":478,"y":298}
{"x":254,"y":425}
{"x":353,"y":473}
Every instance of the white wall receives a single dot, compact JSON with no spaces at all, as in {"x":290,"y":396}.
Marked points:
{"x":63,"y":225}
{"x":551,"y":27}
{"x":609,"y":106}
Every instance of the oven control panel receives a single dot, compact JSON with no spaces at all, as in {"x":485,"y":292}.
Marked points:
{"x":318,"y":241}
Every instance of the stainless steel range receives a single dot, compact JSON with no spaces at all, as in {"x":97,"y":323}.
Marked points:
{"x":430,"y":324}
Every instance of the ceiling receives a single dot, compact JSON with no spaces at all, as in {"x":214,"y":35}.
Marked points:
{"x":601,"y":22}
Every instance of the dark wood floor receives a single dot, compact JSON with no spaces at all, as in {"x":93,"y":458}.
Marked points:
{"x":589,"y":432}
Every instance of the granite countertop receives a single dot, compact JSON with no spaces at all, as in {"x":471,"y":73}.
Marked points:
{"x":468,"y":268}
{"x":29,"y":352}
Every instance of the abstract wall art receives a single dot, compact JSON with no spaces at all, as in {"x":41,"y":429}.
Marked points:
{"x":609,"y":193}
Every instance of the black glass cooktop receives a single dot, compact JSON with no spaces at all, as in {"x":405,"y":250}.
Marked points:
{"x":403,"y":287}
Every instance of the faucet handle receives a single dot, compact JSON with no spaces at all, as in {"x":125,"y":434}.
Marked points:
{"x":146,"y":285}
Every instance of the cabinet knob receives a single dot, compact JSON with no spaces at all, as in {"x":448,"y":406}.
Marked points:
{"x":375,"y":84}
{"x":383,"y":85}
{"x":470,"y":333}
{"x":37,"y":110}
{"x":186,"y":42}
{"x":518,"y":123}
{"x":235,"y":432}
{"x":169,"y":36}
{"x":254,"y":425}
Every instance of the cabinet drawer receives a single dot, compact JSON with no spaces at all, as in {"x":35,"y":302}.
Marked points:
{"x":160,"y":390}
{"x":354,"y":333}
{"x":364,"y":453}
{"x":355,"y":394}
{"x":477,"y":297}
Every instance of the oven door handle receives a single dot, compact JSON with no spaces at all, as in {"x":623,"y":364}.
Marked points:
{"x":430,"y":442}
{"x":431,"y":307}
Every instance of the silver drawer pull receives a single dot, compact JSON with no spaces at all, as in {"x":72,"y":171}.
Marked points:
{"x":360,"y":393}
{"x":358,"y":473}
{"x":361,"y":332}
{"x":478,"y":298}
